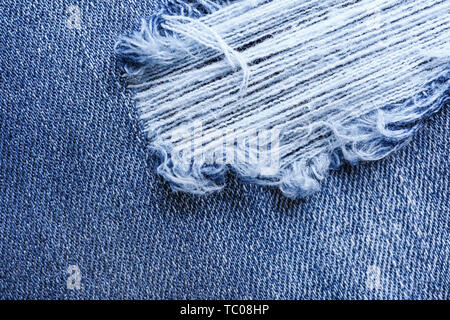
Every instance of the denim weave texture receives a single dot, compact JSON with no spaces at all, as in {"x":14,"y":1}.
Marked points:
{"x":78,"y":187}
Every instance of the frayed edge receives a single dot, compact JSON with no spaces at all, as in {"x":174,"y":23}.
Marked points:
{"x":172,"y":34}
{"x":370,"y":138}
{"x":163,"y":40}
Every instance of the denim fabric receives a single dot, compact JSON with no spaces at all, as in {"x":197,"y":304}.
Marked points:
{"x":78,"y":187}
{"x":317,"y":81}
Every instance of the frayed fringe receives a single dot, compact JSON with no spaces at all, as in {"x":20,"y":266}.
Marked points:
{"x":175,"y":35}
{"x":154,"y":44}
{"x":170,"y":36}
{"x":369,"y":139}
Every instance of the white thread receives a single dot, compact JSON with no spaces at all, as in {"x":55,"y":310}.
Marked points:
{"x":316,"y":71}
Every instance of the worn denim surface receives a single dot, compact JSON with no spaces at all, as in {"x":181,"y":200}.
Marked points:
{"x":332,"y":81}
{"x":78,"y":187}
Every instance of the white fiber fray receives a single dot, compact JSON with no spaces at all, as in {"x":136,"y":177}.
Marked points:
{"x":282,"y":91}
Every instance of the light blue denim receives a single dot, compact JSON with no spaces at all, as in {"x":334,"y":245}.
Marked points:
{"x":78,"y":188}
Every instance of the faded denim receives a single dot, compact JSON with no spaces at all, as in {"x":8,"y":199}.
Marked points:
{"x":78,"y":188}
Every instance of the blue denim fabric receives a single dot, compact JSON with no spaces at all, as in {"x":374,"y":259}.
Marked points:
{"x":78,"y":187}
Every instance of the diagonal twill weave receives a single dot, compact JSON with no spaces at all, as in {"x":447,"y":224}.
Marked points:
{"x":295,"y":86}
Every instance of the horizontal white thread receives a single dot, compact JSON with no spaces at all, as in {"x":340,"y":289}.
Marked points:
{"x":328,"y":75}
